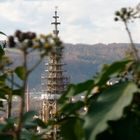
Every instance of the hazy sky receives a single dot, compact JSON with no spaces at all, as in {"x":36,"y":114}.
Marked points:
{"x":82,"y":21}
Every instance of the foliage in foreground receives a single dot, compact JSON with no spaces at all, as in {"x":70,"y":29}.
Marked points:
{"x":13,"y":82}
{"x":106,"y":111}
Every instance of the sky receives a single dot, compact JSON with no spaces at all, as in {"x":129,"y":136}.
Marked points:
{"x":82,"y":21}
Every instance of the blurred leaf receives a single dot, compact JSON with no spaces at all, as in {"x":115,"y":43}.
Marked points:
{"x":40,"y":123}
{"x":21,"y":72}
{"x":137,"y":67}
{"x":6,"y":137}
{"x":76,"y":89}
{"x":2,"y":33}
{"x":29,"y":135}
{"x":81,"y":87}
{"x":30,"y":125}
{"x":112,"y":70}
{"x":72,"y":108}
{"x":69,"y":93}
{"x":2,"y":125}
{"x":1,"y":104}
{"x":71,"y":129}
{"x":17,"y":92}
{"x":29,"y":121}
{"x":2,"y":79}
{"x":3,"y":95}
{"x":11,"y":121}
{"x":109,"y":106}
{"x":34,"y":123}
{"x":1,"y":51}
{"x":28,"y":116}
{"x":9,"y":124}
{"x":4,"y":91}
{"x":126,"y":128}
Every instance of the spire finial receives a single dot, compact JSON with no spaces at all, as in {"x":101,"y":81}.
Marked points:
{"x":56,"y":8}
{"x":56,"y":31}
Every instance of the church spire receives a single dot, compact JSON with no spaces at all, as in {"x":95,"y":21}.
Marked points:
{"x":54,"y":79}
{"x":56,"y":23}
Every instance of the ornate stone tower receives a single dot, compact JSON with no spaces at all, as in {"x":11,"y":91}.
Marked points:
{"x":54,"y":81}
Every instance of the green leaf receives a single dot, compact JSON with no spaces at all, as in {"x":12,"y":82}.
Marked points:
{"x":112,"y":70}
{"x":40,"y":123}
{"x":71,"y":129}
{"x":28,"y":116}
{"x":1,"y":104}
{"x":30,"y":122}
{"x":11,"y":121}
{"x":72,"y":108}
{"x":20,"y":72}
{"x":6,"y":137}
{"x":76,"y":89}
{"x":3,"y":95}
{"x":2,"y":79}
{"x":109,"y":106}
{"x":1,"y":51}
{"x":17,"y":92}
{"x":2,"y":126}
{"x":126,"y":128}
{"x":29,"y":135}
{"x":4,"y":91}
{"x":9,"y":124}
{"x":25,"y":134}
{"x":137,"y":66}
{"x":81,"y":87}
{"x":70,"y":92}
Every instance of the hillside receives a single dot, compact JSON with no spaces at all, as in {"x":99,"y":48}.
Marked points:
{"x":82,"y":60}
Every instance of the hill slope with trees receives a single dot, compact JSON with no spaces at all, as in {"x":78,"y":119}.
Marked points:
{"x":82,"y":60}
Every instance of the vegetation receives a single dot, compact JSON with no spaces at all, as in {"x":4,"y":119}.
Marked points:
{"x":106,"y":112}
{"x":22,"y":126}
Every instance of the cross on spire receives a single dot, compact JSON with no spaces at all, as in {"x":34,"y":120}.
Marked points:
{"x":56,"y":31}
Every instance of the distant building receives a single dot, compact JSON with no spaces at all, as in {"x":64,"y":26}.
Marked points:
{"x":54,"y":81}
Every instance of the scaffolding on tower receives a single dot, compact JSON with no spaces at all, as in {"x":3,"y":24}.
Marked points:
{"x":54,"y":81}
